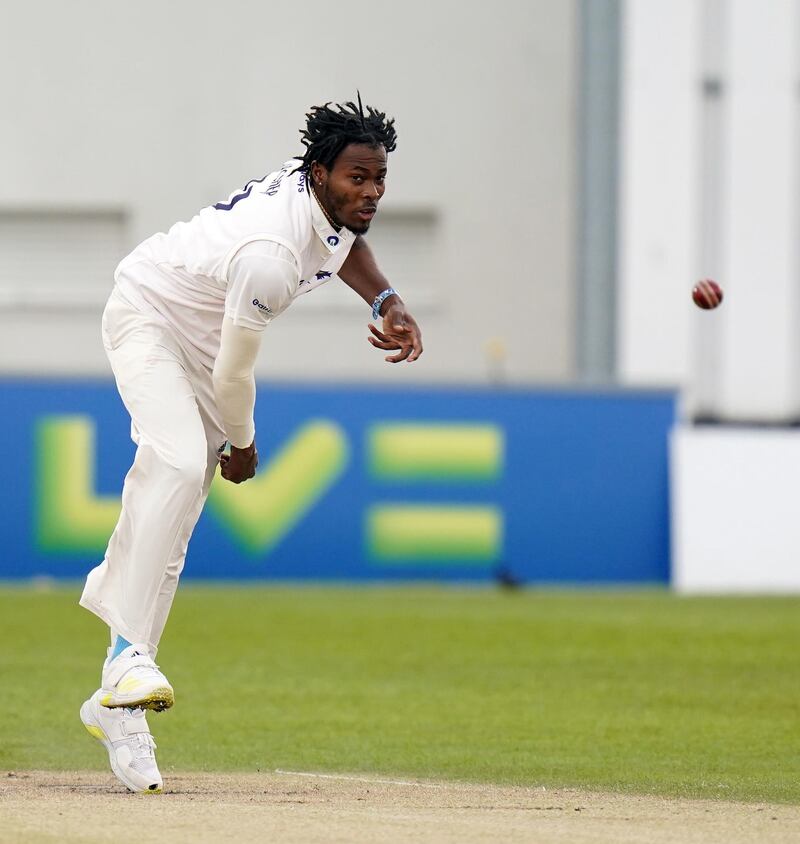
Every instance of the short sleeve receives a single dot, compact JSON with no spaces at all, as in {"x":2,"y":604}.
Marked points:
{"x":262,"y":280}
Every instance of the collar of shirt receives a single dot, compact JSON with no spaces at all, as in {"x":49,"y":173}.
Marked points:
{"x":332,"y":239}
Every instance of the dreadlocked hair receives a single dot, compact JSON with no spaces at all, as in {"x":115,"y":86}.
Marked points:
{"x":330,"y":129}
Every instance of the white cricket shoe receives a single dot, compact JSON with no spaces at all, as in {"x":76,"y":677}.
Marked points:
{"x":125,"y":735}
{"x":132,"y":679}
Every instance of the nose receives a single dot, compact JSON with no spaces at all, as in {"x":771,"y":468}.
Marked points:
{"x":372,"y":190}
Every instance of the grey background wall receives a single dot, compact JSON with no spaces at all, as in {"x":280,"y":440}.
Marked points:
{"x":119,"y":119}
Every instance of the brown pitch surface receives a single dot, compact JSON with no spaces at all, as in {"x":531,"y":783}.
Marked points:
{"x":43,"y":806}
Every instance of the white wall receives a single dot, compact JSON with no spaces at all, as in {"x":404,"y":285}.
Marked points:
{"x":760,"y":378}
{"x":709,"y":189}
{"x":155,"y":109}
{"x":734,"y":509}
{"x":658,"y":190}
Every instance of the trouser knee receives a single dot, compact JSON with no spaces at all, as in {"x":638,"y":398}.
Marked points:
{"x":188,"y":473}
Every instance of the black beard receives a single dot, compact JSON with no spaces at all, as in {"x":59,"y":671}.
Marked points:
{"x":356,"y":228}
{"x":332,"y":205}
{"x":363,"y":228}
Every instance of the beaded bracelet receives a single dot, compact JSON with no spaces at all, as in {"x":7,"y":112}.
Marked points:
{"x":379,"y":300}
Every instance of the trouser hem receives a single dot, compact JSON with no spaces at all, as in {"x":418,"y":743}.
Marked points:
{"x":114,"y":622}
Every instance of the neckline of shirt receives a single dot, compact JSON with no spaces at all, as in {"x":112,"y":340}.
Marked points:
{"x":327,"y":233}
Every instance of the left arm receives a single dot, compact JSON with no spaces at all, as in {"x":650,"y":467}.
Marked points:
{"x":400,"y":329}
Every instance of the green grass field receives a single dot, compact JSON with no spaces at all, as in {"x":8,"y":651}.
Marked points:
{"x":632,"y":691}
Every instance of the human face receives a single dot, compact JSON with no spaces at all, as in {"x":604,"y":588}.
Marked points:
{"x":352,"y":188}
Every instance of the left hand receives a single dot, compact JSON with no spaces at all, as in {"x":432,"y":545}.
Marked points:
{"x":240,"y":465}
{"x":400,"y":331}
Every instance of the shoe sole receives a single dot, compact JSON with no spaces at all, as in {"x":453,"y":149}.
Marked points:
{"x":96,"y":731}
{"x":156,"y":700}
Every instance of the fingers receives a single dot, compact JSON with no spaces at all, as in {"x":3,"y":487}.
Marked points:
{"x":403,"y":354}
{"x":226,"y":473}
{"x":415,"y":341}
{"x":235,"y":478}
{"x":236,"y":471}
{"x":380,"y":340}
{"x":387,"y":344}
{"x":409,"y":353}
{"x":410,"y":347}
{"x":379,"y":334}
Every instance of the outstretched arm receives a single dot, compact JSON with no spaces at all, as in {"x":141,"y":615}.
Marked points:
{"x":400,"y":330}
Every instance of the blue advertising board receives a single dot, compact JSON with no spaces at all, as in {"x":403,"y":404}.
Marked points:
{"x":359,"y":484}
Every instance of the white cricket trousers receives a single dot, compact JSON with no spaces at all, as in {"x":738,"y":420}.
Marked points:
{"x":178,"y":433}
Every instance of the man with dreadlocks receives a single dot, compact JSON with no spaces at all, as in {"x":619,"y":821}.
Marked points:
{"x":182,"y":329}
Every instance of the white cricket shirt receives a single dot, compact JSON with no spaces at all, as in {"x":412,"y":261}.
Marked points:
{"x":246,"y":258}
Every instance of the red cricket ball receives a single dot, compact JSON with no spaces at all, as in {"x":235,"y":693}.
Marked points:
{"x":707,"y":294}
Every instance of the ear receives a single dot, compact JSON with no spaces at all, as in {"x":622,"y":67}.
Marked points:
{"x":318,"y":174}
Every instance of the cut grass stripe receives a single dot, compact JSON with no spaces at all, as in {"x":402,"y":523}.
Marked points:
{"x":635,"y":691}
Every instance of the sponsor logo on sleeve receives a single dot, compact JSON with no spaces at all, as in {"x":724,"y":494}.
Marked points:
{"x":262,"y":307}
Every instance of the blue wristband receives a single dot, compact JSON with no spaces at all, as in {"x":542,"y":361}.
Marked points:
{"x":380,"y":299}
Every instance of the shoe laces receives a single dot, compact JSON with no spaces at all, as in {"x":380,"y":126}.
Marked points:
{"x":145,"y":744}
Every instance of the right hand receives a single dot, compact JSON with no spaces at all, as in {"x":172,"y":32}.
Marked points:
{"x":240,"y":464}
{"x":400,"y":331}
